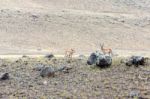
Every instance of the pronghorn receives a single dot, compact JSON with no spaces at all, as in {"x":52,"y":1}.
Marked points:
{"x":106,"y":50}
{"x":69,"y":53}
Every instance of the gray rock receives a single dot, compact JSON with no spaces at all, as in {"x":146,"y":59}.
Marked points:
{"x":5,"y":76}
{"x":136,"y":61}
{"x":49,"y":56}
{"x":24,"y":56}
{"x":39,"y":67}
{"x":92,"y":59}
{"x":134,"y":94}
{"x":47,"y":72}
{"x":99,"y":59}
{"x":104,"y":61}
{"x":129,"y":63}
{"x":61,"y":68}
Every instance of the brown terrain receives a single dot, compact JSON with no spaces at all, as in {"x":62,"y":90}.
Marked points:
{"x":37,"y":27}
{"x":41,"y":26}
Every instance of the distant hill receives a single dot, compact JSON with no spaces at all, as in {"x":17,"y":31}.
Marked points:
{"x":55,"y":25}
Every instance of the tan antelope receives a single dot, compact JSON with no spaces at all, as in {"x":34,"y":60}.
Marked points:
{"x":106,"y":50}
{"x":69,"y":53}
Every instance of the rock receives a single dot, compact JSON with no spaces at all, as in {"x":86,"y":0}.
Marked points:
{"x":54,"y":60}
{"x":104,"y":61}
{"x":24,"y":56}
{"x":134,"y":94}
{"x":129,"y":63}
{"x":5,"y":76}
{"x":99,"y":59}
{"x":34,"y":16}
{"x":82,"y":57}
{"x":45,"y":82}
{"x":61,"y":68}
{"x":92,"y":59}
{"x":39,"y":67}
{"x":49,"y":56}
{"x":47,"y":72}
{"x":136,"y":61}
{"x":67,"y":69}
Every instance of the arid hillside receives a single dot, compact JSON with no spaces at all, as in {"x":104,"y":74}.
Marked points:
{"x":40,"y":26}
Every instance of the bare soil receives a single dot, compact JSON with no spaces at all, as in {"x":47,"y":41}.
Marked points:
{"x":81,"y":82}
{"x":39,"y":26}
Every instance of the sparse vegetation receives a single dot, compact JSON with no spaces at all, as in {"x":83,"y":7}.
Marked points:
{"x":82,"y":81}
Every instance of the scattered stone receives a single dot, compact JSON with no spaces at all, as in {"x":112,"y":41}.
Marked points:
{"x":39,"y":67}
{"x":24,"y":56}
{"x":5,"y":76}
{"x":61,"y":68}
{"x":19,"y":60}
{"x":45,"y":82}
{"x":54,"y":60}
{"x":134,"y":94}
{"x":30,"y":86}
{"x":119,"y":80}
{"x":82,"y":57}
{"x":47,"y":72}
{"x":35,"y":16}
{"x":49,"y":56}
{"x":2,"y":10}
{"x":129,"y":63}
{"x":67,"y":69}
{"x":136,"y":61}
{"x":39,"y":49}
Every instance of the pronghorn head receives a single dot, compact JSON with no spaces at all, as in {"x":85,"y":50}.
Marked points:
{"x":72,"y":50}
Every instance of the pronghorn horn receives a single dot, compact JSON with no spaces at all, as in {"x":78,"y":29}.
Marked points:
{"x":102,"y":44}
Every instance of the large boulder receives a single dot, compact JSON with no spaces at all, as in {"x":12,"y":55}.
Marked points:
{"x":104,"y":61}
{"x":99,"y":59}
{"x":92,"y":59}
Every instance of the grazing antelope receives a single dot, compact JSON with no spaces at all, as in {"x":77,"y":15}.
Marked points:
{"x":69,"y":53}
{"x":106,"y":50}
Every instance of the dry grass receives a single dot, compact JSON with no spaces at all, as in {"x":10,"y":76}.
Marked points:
{"x":82,"y":81}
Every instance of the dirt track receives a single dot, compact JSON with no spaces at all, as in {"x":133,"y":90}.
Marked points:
{"x":82,"y":81}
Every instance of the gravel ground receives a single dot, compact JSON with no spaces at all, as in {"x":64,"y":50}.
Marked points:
{"x":81,"y":82}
